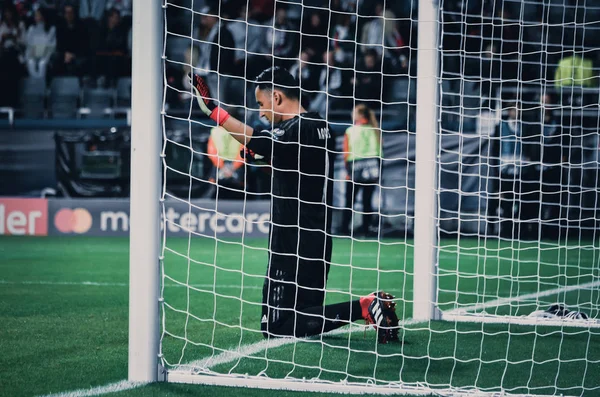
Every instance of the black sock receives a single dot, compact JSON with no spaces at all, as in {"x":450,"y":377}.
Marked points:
{"x":309,"y":320}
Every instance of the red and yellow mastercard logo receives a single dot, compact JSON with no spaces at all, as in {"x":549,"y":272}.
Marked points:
{"x":76,"y":220}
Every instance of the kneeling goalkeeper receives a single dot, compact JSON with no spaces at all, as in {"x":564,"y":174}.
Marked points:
{"x":301,"y":150}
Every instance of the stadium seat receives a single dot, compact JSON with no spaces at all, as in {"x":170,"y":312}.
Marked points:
{"x":96,"y":101}
{"x":123,"y":98}
{"x":64,"y":97}
{"x":33,"y":95}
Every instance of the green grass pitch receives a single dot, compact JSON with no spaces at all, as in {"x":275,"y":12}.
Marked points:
{"x":64,"y":316}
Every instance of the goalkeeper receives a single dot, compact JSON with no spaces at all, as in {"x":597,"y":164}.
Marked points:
{"x":300,"y":149}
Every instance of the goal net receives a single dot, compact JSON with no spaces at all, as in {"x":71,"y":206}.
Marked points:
{"x":480,"y":213}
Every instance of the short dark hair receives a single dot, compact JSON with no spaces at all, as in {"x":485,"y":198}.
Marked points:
{"x":279,"y":78}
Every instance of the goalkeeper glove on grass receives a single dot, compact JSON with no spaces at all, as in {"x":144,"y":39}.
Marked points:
{"x":207,"y":104}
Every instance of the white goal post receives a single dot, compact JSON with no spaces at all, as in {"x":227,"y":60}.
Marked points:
{"x":146,"y":146}
{"x":472,"y":296}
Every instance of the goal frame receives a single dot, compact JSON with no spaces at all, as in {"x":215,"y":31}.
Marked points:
{"x":145,"y":207}
{"x":144,"y":222}
{"x":146,"y":133}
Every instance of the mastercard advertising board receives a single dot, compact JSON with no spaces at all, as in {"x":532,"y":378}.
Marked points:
{"x":92,"y":217}
{"x":110,"y":217}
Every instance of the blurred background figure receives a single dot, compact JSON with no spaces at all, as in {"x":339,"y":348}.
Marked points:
{"x":92,"y":9}
{"x":283,"y":39}
{"x":217,"y":58}
{"x":367,"y":84}
{"x":518,"y":178}
{"x":12,"y":36}
{"x":334,"y":86}
{"x":575,"y":69}
{"x":72,"y":45}
{"x":315,"y":36}
{"x":362,"y":157}
{"x":551,"y":156}
{"x":40,"y":43}
{"x":307,"y":75}
{"x":228,"y":171}
{"x":112,"y":52}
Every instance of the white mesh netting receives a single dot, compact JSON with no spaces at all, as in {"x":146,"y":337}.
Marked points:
{"x":517,"y":194}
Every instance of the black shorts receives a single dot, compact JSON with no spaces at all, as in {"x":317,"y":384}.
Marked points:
{"x":364,"y":171}
{"x":285,"y":292}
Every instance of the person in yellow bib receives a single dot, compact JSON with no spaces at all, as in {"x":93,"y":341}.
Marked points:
{"x":362,"y":157}
{"x":228,"y":171}
{"x":575,"y":69}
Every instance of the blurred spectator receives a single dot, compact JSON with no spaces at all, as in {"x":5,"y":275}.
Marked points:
{"x":178,"y":81}
{"x":40,"y":42}
{"x":383,"y":36}
{"x":282,"y":39}
{"x":518,"y":180}
{"x":92,"y":9}
{"x":315,"y":36}
{"x":537,"y":51}
{"x":228,"y":170}
{"x":252,"y":55}
{"x":510,"y":141}
{"x":501,"y":28}
{"x":334,"y":86}
{"x":72,"y":45}
{"x":489,"y":67}
{"x":506,"y":30}
{"x":12,"y":29}
{"x":362,"y":158}
{"x":367,"y":85}
{"x":551,"y":156}
{"x":343,"y":36}
{"x":306,"y":74}
{"x":372,"y":31}
{"x":216,"y":44}
{"x":262,"y":10}
{"x":344,"y":5}
{"x":124,"y":7}
{"x":575,"y":70}
{"x":239,"y":31}
{"x":551,"y":132}
{"x":12,"y":35}
{"x":111,"y":60}
{"x":217,"y":55}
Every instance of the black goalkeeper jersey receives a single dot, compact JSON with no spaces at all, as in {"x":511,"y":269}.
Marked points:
{"x":301,"y":153}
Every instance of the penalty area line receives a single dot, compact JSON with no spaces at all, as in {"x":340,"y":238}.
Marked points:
{"x":168,"y":285}
{"x":520,"y":298}
{"x":123,"y":385}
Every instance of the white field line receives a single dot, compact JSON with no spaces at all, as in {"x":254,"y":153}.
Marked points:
{"x":255,"y":348}
{"x":200,"y":286}
{"x":520,"y":298}
{"x":101,"y":284}
{"x":96,"y":391}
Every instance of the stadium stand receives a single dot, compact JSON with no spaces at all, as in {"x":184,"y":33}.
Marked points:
{"x":478,"y":50}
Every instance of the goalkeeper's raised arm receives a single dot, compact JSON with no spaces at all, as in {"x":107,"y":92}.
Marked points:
{"x":240,"y":131}
{"x":277,"y":96}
